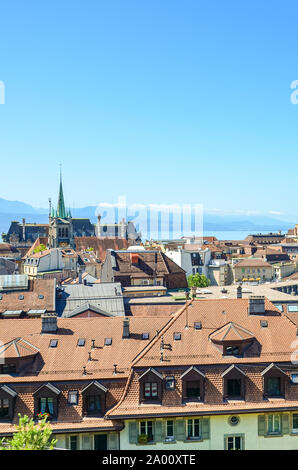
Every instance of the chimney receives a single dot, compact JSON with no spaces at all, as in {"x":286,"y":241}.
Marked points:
{"x":256,"y":304}
{"x":239,"y":292}
{"x":125,"y":333}
{"x":49,"y":323}
{"x":134,"y":258}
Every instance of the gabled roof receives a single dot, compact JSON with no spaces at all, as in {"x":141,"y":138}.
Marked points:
{"x":18,"y":347}
{"x":96,"y":384}
{"x":87,"y":306}
{"x":50,"y":387}
{"x":192,"y":368}
{"x":232,"y":367}
{"x":231,"y":332}
{"x":153,"y":371}
{"x":270,"y":367}
{"x":8,"y":390}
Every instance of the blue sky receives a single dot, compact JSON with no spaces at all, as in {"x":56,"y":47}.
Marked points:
{"x":162,"y":101}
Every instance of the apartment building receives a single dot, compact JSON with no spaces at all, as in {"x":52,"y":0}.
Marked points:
{"x":218,"y":374}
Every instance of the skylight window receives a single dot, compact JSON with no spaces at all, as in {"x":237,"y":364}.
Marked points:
{"x":108,"y":341}
{"x":41,"y":296}
{"x":53,"y":343}
{"x":293,"y":308}
{"x":198,"y":325}
{"x":264,"y":323}
{"x":145,"y":336}
{"x":177,"y":336}
{"x":21,"y":297}
{"x":81,"y":342}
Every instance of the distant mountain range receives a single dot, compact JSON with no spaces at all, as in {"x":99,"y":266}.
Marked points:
{"x":16,"y":210}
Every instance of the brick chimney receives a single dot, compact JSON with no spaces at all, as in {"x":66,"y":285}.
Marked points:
{"x":256,"y":304}
{"x":125,"y":333}
{"x":49,"y":323}
{"x":134,"y":258}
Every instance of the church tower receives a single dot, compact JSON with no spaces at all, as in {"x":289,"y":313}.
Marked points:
{"x":60,"y":223}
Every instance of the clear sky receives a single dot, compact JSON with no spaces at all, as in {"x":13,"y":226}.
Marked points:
{"x":163,"y":101}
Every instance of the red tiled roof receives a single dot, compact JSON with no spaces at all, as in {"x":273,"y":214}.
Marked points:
{"x":31,"y":301}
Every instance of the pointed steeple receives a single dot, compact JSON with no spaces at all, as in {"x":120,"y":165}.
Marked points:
{"x":61,"y":212}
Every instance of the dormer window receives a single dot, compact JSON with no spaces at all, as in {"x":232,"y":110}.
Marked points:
{"x":274,"y":381}
{"x":151,"y":386}
{"x":231,"y":350}
{"x":234,"y":383}
{"x":7,"y":401}
{"x":150,"y":390}
{"x":8,"y":368}
{"x":193,"y":385}
{"x":94,"y":399}
{"x":46,"y":400}
{"x":232,"y":339}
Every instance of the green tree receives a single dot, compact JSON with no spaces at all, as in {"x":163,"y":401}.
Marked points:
{"x":40,"y":247}
{"x":30,"y":436}
{"x":198,"y":280}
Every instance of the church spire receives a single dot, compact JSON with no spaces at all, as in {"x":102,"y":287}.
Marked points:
{"x":61,"y":212}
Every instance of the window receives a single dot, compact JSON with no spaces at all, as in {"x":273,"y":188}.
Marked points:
{"x":170,"y":383}
{"x":170,"y":430}
{"x":4,"y":408}
{"x":150,"y":390}
{"x":234,"y":443}
{"x":293,"y":308}
{"x":46,"y":405}
{"x":73,"y":442}
{"x":231,"y":350}
{"x":72,"y":397}
{"x":193,"y":389}
{"x":273,"y":424}
{"x":146,"y":428}
{"x":193,"y":429}
{"x":294,"y":378}
{"x":273,"y":387}
{"x":8,"y":369}
{"x":295,"y":423}
{"x":177,"y":336}
{"x":93,"y":404}
{"x":234,"y":387}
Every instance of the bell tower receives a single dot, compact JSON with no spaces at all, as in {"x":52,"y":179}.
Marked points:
{"x":60,"y":223}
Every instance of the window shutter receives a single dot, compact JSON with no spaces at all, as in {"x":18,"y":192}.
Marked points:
{"x":180,"y":429}
{"x":206,"y":428}
{"x":261,"y":425}
{"x":158,"y":436}
{"x":67,"y":444}
{"x":133,"y":433}
{"x":113,"y":441}
{"x":86,"y":442}
{"x":285,"y":428}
